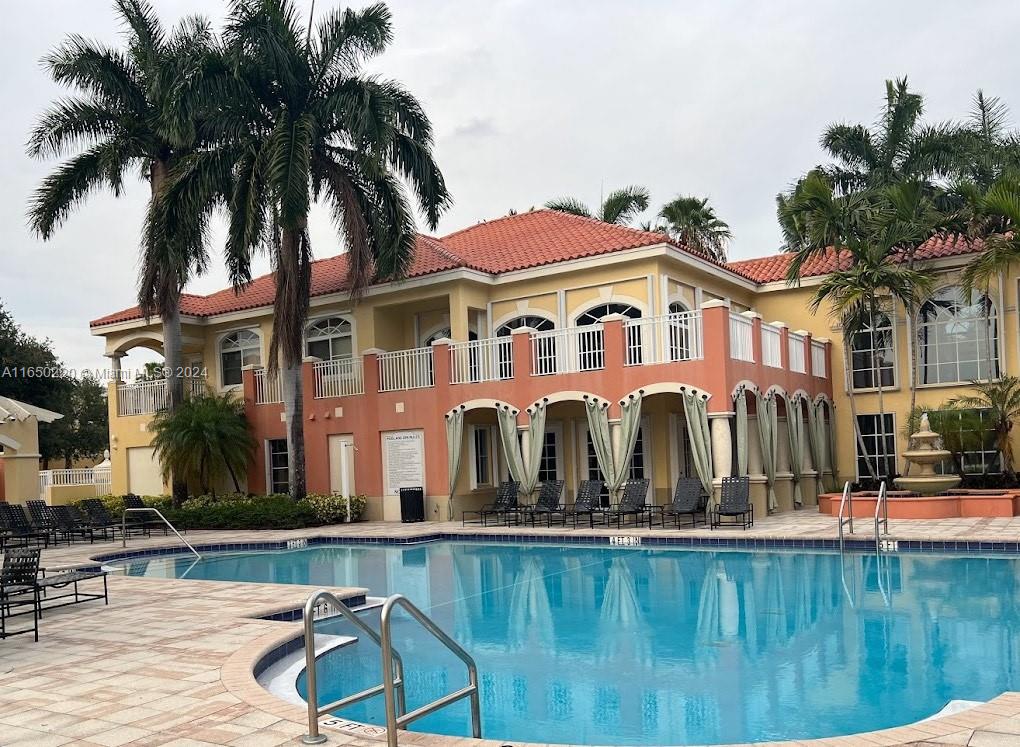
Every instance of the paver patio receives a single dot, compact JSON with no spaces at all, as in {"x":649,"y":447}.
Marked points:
{"x":170,"y":661}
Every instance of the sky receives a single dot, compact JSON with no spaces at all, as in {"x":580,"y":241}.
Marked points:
{"x":534,"y":100}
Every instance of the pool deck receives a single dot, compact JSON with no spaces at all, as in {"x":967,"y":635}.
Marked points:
{"x":169,"y":662}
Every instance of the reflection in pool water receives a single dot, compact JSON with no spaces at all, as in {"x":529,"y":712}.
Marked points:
{"x":592,"y":645}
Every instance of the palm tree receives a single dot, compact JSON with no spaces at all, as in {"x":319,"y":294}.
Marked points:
{"x":1001,"y":399}
{"x":994,"y":217}
{"x":621,"y":206}
{"x":206,"y":437}
{"x":119,"y":123}
{"x":692,"y":222}
{"x":983,"y":149}
{"x":295,"y":122}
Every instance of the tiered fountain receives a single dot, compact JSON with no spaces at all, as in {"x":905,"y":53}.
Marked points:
{"x":925,"y":456}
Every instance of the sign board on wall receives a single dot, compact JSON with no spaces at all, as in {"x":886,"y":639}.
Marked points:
{"x":403,"y":458}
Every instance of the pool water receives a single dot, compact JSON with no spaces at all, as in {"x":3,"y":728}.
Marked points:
{"x":599,"y":645}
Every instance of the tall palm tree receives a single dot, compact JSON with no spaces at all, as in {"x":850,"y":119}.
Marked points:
{"x":691,"y":221}
{"x":621,"y":206}
{"x":298,"y":122}
{"x":984,"y":149}
{"x":204,"y":439}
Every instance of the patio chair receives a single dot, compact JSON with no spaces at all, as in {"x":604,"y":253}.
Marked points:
{"x":69,"y":578}
{"x":15,"y":527}
{"x":547,"y":504}
{"x":686,"y":502}
{"x":734,"y":504}
{"x":18,"y":589}
{"x":140,"y":520}
{"x":42,"y":517}
{"x":504,"y":505}
{"x":587,"y":502}
{"x":99,"y":519}
{"x":69,"y":526}
{"x":632,"y":503}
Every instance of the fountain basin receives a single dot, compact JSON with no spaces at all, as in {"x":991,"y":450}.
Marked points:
{"x":907,"y":505}
{"x":928,"y":485}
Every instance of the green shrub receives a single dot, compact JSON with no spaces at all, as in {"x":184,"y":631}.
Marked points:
{"x":332,"y":509}
{"x":255,"y":512}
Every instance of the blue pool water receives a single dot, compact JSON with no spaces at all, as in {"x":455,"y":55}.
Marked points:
{"x":597,"y":645}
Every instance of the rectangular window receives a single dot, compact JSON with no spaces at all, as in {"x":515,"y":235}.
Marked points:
{"x":481,"y":457}
{"x":279,"y":473}
{"x":879,"y":436}
{"x":547,"y":465}
{"x":968,"y":435}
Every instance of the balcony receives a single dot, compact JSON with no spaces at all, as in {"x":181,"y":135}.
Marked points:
{"x":149,"y":397}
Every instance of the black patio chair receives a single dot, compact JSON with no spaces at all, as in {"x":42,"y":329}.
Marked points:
{"x":587,"y":502}
{"x":734,"y":504}
{"x":547,"y":504}
{"x":16,"y":530}
{"x":69,"y":525}
{"x":632,"y":503}
{"x":69,"y":578}
{"x":504,"y":505}
{"x":41,"y":517}
{"x":686,"y":502}
{"x":99,"y":519}
{"x":141,"y":519}
{"x":18,"y":589}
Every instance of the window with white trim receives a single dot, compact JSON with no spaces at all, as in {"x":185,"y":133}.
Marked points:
{"x":546,"y":349}
{"x":591,"y":348}
{"x":330,"y":339}
{"x":879,"y":436}
{"x":872,"y":357}
{"x":680,"y":348}
{"x":237,"y":350}
{"x":481,"y":456}
{"x":957,"y":338}
{"x":970,"y":436}
{"x":279,"y":472}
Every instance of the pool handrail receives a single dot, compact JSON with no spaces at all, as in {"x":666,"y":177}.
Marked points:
{"x":150,"y":509}
{"x":396,"y":678}
{"x":846,"y":503}
{"x":881,"y":508}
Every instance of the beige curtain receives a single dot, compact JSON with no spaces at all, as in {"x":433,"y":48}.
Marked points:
{"x":696,"y":415}
{"x":740,"y":407}
{"x":795,"y":429}
{"x":768,"y":424}
{"x":454,"y":451}
{"x":507,"y":418}
{"x":536,"y":433}
{"x":601,"y":440}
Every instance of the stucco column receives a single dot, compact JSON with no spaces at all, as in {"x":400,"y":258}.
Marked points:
{"x":115,"y":365}
{"x":521,"y":351}
{"x":722,"y":444}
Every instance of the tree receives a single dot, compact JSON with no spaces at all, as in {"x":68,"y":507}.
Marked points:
{"x":621,"y":206}
{"x":21,"y":353}
{"x":125,"y":119}
{"x":692,"y":222}
{"x":83,"y":432}
{"x":203,"y":440}
{"x":983,"y":150}
{"x":296,"y":121}
{"x":1001,"y":400}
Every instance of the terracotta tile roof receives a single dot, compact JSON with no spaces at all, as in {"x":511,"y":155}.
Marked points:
{"x":515,"y":242}
{"x":773,"y":268}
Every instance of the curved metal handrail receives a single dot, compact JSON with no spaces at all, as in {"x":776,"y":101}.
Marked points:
{"x":847,"y":503}
{"x":314,"y":709}
{"x":123,"y":528}
{"x":394,"y":721}
{"x":881,"y":507}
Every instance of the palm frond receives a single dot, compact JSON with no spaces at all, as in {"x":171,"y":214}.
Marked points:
{"x":621,"y":206}
{"x":569,"y":205}
{"x":70,"y":124}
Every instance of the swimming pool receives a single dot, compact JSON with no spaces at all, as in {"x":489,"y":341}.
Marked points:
{"x":602,"y":645}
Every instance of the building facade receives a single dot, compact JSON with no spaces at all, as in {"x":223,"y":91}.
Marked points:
{"x":545,"y":315}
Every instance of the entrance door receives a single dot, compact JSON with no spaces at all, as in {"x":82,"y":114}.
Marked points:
{"x":143,"y":471}
{"x":341,"y":464}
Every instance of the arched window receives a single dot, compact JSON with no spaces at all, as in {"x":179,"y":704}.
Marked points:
{"x":681,"y":333}
{"x":535,"y":322}
{"x":872,"y":358}
{"x":957,"y":338}
{"x":237,"y":350}
{"x":329,"y":339}
{"x":591,"y":346}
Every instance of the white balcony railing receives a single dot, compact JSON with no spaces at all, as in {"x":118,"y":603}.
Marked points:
{"x":406,"y":369}
{"x":741,"y":331}
{"x":96,"y":476}
{"x":771,"y":346}
{"x":797,"y":361}
{"x":491,"y":359}
{"x":664,"y":339}
{"x":818,"y":359}
{"x":568,"y":350}
{"x":146,"y":397}
{"x":267,"y":388}
{"x":343,"y":377}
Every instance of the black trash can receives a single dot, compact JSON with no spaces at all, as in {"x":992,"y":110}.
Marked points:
{"x":412,"y":504}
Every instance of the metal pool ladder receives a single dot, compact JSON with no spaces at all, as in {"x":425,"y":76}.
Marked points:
{"x":123,"y":528}
{"x":881,"y":515}
{"x":846,"y":503}
{"x":392,"y":686}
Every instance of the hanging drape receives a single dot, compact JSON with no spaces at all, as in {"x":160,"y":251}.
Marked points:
{"x":601,"y":440}
{"x":768,"y":424}
{"x":740,"y":406}
{"x":454,"y":451}
{"x":630,"y":424}
{"x":696,"y":415}
{"x":536,"y":433}
{"x":511,"y":445}
{"x":830,"y":426}
{"x":614,"y":463}
{"x":817,"y":440}
{"x":795,"y":428}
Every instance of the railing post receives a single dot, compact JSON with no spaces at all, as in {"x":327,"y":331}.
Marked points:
{"x":807,"y":349}
{"x":827,"y":368}
{"x":756,"y":346}
{"x":373,"y":380}
{"x":614,"y":342}
{"x":248,"y":384}
{"x":442,"y":366}
{"x":784,"y":344}
{"x":715,"y":324}
{"x":520,"y":350}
